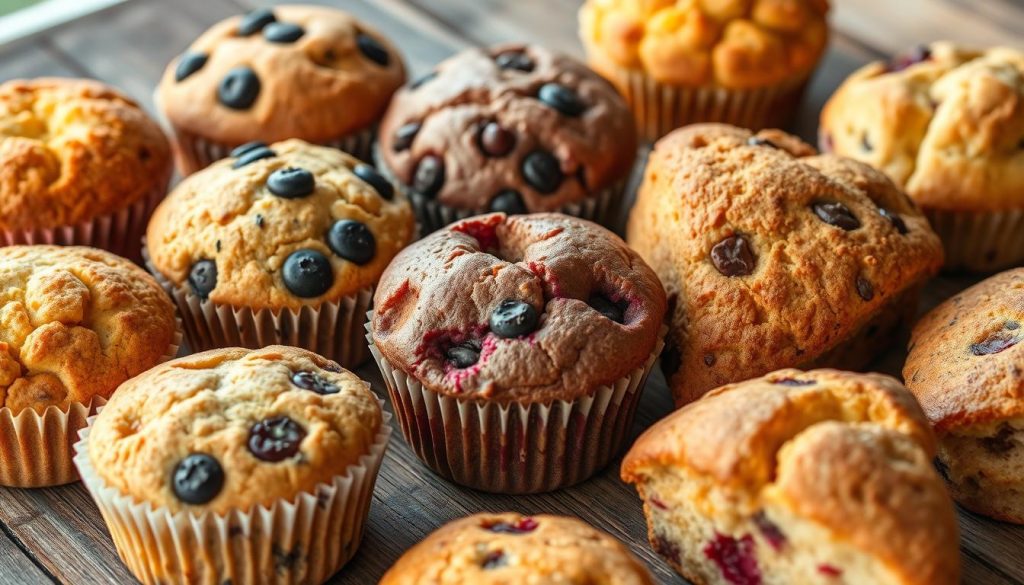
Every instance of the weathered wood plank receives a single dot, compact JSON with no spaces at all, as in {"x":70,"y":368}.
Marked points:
{"x":16,"y":568}
{"x":33,"y":59}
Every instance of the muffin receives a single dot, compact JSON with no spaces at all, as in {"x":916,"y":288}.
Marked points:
{"x":307,"y":72}
{"x":232,"y":464}
{"x":798,"y":477}
{"x":775,"y":257}
{"x":278,"y":244}
{"x":75,"y":323}
{"x":515,"y":348}
{"x":738,"y":62}
{"x":496,"y":549}
{"x":944,"y":122}
{"x":965,"y":367}
{"x":80,"y":163}
{"x":514,"y":128}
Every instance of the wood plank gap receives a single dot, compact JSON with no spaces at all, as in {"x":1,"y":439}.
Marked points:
{"x":967,"y":552}
{"x":7,"y":532}
{"x":66,"y":59}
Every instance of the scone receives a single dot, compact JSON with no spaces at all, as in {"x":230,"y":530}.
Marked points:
{"x":511,"y":128}
{"x":232,"y":463}
{"x":291,"y":71}
{"x":965,"y":367}
{"x":798,"y":477}
{"x":500,"y":549}
{"x":75,"y":323}
{"x":515,"y":349}
{"x":775,"y":257}
{"x":279,"y":244}
{"x":945,"y":122}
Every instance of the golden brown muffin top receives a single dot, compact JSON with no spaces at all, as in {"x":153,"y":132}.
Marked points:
{"x":944,"y":121}
{"x":738,"y":44}
{"x":75,"y":322}
{"x":244,"y":79}
{"x":272,"y":423}
{"x":496,"y":549}
{"x":244,"y":236}
{"x":72,"y":150}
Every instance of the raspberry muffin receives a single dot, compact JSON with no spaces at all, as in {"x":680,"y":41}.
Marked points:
{"x":234,"y":462}
{"x":944,"y":122}
{"x":80,"y":163}
{"x":278,"y":244}
{"x":515,"y":348}
{"x":775,"y":257}
{"x":75,"y":323}
{"x":965,"y":367}
{"x":679,"y":62}
{"x":496,"y":549}
{"x":514,"y":128}
{"x":292,"y":71}
{"x":798,"y":477}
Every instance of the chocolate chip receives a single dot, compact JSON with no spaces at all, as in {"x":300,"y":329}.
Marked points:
{"x":239,"y":88}
{"x":865,"y":143}
{"x":996,"y":342}
{"x":464,"y":355}
{"x":561,"y":99}
{"x":291,"y":183}
{"x":514,"y":318}
{"x":247,"y":148}
{"x":709,"y":359}
{"x":733,"y":256}
{"x":494,"y":560}
{"x":429,"y":176}
{"x":894,"y":219}
{"x":418,"y":82}
{"x":517,"y":60}
{"x":314,"y":382}
{"x":864,"y":289}
{"x":283,"y":32}
{"x":758,"y":141}
{"x":352,"y":240}
{"x":203,"y":278}
{"x":307,"y":273}
{"x":275,"y":439}
{"x":254,"y":21}
{"x":405,"y":135}
{"x":508,"y":201}
{"x":836,"y":214}
{"x":542,"y":171}
{"x":259,"y":220}
{"x":1000,"y":443}
{"x":253,"y":155}
{"x":188,"y":64}
{"x":495,"y":140}
{"x":371,"y":177}
{"x":197,"y":479}
{"x":610,"y":309}
{"x":373,"y":50}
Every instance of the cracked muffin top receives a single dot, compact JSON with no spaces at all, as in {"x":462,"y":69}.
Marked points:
{"x":307,"y":72}
{"x":494,"y":549}
{"x":512,"y":128}
{"x":772,"y":255}
{"x":945,"y":122}
{"x":284,"y":225}
{"x":529,"y":308}
{"x":233,"y":428}
{"x":75,"y":322}
{"x":72,"y":150}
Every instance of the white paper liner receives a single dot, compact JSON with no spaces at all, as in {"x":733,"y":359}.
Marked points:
{"x":515,"y":448}
{"x":303,"y":540}
{"x":984,"y":241}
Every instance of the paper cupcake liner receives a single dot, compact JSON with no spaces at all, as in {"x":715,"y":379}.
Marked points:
{"x":985,"y":241}
{"x":515,"y":448}
{"x":303,"y":540}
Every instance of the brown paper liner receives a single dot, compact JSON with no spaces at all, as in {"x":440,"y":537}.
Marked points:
{"x":515,"y":448}
{"x":303,"y":540}
{"x":985,"y":241}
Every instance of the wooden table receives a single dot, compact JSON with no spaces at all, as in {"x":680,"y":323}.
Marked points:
{"x":56,"y":535}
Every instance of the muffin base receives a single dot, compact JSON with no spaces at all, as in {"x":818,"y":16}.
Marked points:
{"x":980,"y":241}
{"x":985,"y":470}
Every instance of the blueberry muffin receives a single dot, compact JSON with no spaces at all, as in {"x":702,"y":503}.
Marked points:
{"x":513,"y":128}
{"x":946,"y":123}
{"x":80,"y":163}
{"x":75,"y":323}
{"x":263,"y":449}
{"x":740,"y":62}
{"x":965,"y":367}
{"x":279,"y":244}
{"x":496,"y":549}
{"x":526,"y":339}
{"x":308,"y":72}
{"x":775,"y":257}
{"x":798,"y":477}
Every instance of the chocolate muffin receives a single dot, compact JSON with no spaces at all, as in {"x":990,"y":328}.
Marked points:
{"x":513,"y":128}
{"x":515,"y":348}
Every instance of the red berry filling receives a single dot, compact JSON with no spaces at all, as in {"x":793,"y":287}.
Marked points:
{"x":770,"y":531}
{"x":521,"y":526}
{"x":658,"y":503}
{"x":829,"y":570}
{"x":485,"y":232}
{"x":666,"y":548}
{"x":735,"y":559}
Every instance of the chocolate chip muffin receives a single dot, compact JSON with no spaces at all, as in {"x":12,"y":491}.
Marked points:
{"x":272,"y":453}
{"x":946,"y":123}
{"x":526,"y":338}
{"x":80,"y":163}
{"x":279,"y":244}
{"x":773,"y":256}
{"x":308,"y":72}
{"x":495,"y":549}
{"x":798,"y":477}
{"x":513,"y":128}
{"x":965,"y":367}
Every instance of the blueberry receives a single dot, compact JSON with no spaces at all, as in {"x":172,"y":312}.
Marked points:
{"x":542,"y":171}
{"x":376,"y":180}
{"x":734,"y":256}
{"x":464,"y":355}
{"x":314,"y":382}
{"x":352,"y":240}
{"x":429,"y":176}
{"x":373,"y":50}
{"x":283,"y":32}
{"x":514,"y":318}
{"x":517,"y":60}
{"x":758,"y":141}
{"x":188,"y":64}
{"x":239,"y":88}
{"x":896,"y":221}
{"x":246,"y":148}
{"x":405,"y":135}
{"x":252,"y":155}
{"x":610,"y":309}
{"x":203,"y":278}
{"x":509,"y":201}
{"x":561,"y":99}
{"x":307,"y":273}
{"x":291,"y":182}
{"x":275,"y":439}
{"x":496,"y":141}
{"x":254,"y":21}
{"x":197,"y":479}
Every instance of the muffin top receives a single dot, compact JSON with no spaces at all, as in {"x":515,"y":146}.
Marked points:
{"x":75,"y":322}
{"x":528,"y":308}
{"x":736,"y":44}
{"x":966,"y":364}
{"x":512,"y":128}
{"x":773,"y":256}
{"x":944,"y":121}
{"x":495,"y":549}
{"x":233,"y":428}
{"x":280,"y":226}
{"x":72,"y":150}
{"x":307,"y":72}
